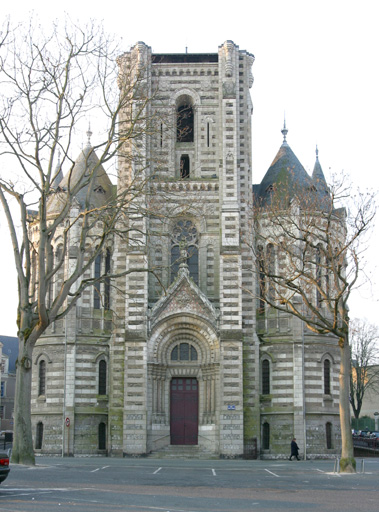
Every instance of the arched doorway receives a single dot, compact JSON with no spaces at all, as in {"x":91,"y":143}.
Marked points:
{"x":184,"y":411}
{"x":184,"y":381}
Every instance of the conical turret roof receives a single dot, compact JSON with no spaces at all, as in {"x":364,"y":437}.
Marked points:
{"x":284,"y":174}
{"x":96,"y":189}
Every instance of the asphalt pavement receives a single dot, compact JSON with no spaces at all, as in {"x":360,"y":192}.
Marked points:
{"x":177,"y":485}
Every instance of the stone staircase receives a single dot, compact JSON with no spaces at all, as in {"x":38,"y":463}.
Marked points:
{"x":183,"y":452}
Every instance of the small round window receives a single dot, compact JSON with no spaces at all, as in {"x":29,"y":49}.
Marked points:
{"x":184,"y":352}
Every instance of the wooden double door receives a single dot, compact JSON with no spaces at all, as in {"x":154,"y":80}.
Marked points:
{"x":184,"y":407}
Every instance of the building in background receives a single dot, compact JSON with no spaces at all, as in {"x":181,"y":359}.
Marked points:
{"x":8,"y":381}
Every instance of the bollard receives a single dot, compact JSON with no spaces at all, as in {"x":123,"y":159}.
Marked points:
{"x":363,"y":466}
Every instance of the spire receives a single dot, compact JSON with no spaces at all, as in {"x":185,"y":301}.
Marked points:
{"x":89,"y":135}
{"x":58,"y":175}
{"x":284,"y":132}
{"x":318,"y":176}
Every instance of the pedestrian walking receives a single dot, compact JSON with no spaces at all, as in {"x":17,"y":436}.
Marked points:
{"x":294,"y":449}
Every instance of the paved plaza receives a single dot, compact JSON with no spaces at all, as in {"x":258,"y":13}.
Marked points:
{"x":163,"y":485}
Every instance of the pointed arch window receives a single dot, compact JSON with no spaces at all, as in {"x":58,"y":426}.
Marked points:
{"x":42,"y":378}
{"x":327,"y":377}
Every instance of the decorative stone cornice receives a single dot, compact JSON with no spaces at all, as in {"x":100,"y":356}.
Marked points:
{"x":188,"y":186}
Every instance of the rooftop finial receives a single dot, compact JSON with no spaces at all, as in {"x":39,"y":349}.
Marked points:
{"x":284,"y":131}
{"x":316,"y":152}
{"x":89,"y":134}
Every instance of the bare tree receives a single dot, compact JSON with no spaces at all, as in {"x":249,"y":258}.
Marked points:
{"x":364,"y":375}
{"x":309,"y":251}
{"x":50,"y":85}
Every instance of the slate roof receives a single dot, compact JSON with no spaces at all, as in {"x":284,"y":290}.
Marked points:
{"x":287,"y":174}
{"x":100,"y":184}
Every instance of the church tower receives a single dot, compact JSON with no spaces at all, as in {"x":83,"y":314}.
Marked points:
{"x":177,"y":353}
{"x":183,"y":327}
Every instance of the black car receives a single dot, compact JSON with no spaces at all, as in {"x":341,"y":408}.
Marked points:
{"x":4,"y":466}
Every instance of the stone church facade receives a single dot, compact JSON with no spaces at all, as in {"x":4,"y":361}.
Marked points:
{"x":178,"y":359}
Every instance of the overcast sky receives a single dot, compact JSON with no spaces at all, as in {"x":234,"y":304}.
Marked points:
{"x":317,"y":61}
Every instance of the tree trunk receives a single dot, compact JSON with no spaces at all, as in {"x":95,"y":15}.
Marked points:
{"x":22,"y":450}
{"x":347,"y":463}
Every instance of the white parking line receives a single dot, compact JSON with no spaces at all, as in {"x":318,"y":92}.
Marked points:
{"x":98,"y":469}
{"x":271,"y":473}
{"x":155,"y":472}
{"x":38,"y":467}
{"x":214,"y":472}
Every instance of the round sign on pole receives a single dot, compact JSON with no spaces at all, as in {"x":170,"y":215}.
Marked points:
{"x":67,"y":422}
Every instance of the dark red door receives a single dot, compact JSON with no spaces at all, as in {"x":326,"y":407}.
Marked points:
{"x":184,"y":411}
